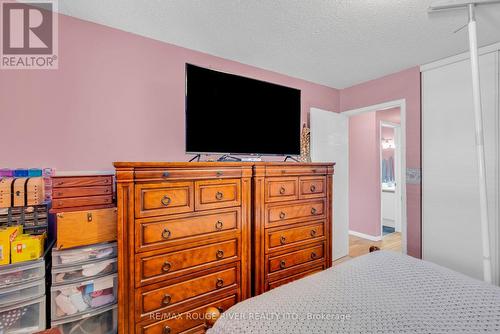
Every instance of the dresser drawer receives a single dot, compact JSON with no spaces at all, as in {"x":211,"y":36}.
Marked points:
{"x":152,"y":233}
{"x":295,"y":170}
{"x":287,"y":279}
{"x":289,"y":260}
{"x":193,"y":174}
{"x":312,"y":187}
{"x":281,"y":189}
{"x":212,"y":194}
{"x":81,"y":228}
{"x":82,"y":181}
{"x":163,"y":297}
{"x":283,"y":214}
{"x":72,"y":202}
{"x":163,"y":198}
{"x":291,"y":236}
{"x":82,"y":191}
{"x":155,"y":268}
{"x":187,"y":321}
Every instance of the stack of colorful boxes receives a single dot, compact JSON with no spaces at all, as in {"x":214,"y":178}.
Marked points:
{"x":24,"y":226}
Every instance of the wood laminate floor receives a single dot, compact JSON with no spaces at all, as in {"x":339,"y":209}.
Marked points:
{"x":359,"y":246}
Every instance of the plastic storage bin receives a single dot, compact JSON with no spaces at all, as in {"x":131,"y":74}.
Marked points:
{"x":83,"y":297}
{"x":19,"y":293}
{"x":22,"y":272}
{"x":65,"y":275}
{"x":102,"y":321}
{"x":23,"y":318}
{"x":83,"y":255}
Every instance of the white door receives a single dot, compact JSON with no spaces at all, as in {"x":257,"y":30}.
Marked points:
{"x":330,"y":143}
{"x":451,"y":230}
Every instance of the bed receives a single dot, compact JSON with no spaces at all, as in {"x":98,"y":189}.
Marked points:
{"x":381,"y":292}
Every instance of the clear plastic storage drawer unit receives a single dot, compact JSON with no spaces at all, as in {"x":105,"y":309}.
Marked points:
{"x":19,"y":293}
{"x":65,"y":275}
{"x":83,"y":297}
{"x":22,"y":272}
{"x":23,"y":318}
{"x":103,"y":321}
{"x":81,"y":255}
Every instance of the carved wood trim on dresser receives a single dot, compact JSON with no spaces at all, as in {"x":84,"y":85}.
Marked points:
{"x":187,"y":232}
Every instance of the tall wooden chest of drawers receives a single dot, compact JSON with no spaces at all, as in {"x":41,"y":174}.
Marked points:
{"x":183,"y":243}
{"x":292,"y":222}
{"x":194,"y":235}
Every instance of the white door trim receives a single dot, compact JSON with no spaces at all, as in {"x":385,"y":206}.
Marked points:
{"x":401,"y":104}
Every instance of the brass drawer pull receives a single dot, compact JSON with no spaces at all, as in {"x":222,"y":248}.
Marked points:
{"x":166,"y":174}
{"x":166,"y":233}
{"x":219,"y":254}
{"x":283,"y":240}
{"x":166,"y":330}
{"x":219,"y":195}
{"x":282,"y":215}
{"x":312,"y":188}
{"x":313,"y":255}
{"x":166,"y":266}
{"x":219,"y":283}
{"x":313,"y":233}
{"x":89,"y":217}
{"x":282,"y":264}
{"x":313,"y":211}
{"x":218,"y":173}
{"x":166,"y":299}
{"x":282,"y":190}
{"x":166,"y":200}
{"x":219,"y":225}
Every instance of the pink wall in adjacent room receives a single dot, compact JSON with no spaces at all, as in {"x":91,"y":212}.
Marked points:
{"x":401,"y":85}
{"x":116,"y":96}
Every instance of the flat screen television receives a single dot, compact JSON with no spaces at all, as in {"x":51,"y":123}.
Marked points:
{"x":231,"y":114}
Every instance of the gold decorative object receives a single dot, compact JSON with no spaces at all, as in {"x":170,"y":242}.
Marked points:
{"x":305,"y":144}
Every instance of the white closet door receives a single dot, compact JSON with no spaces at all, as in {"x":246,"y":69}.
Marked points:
{"x":450,"y":209}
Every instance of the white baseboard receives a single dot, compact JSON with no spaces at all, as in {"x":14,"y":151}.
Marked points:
{"x":365,"y":236}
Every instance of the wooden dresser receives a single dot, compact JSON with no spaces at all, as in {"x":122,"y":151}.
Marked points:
{"x":292,"y":215}
{"x":195,"y":235}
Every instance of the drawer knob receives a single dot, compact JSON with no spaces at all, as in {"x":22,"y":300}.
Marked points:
{"x":59,"y":194}
{"x":282,"y":190}
{"x":166,"y":330}
{"x":219,"y":225}
{"x":313,"y":211}
{"x":218,"y":173}
{"x":166,"y":174}
{"x":282,"y":264}
{"x":219,"y":283}
{"x":166,"y":299}
{"x":282,"y":215}
{"x":89,"y":217}
{"x":313,"y":255}
{"x":312,"y":188}
{"x":313,"y":233}
{"x":219,"y":195}
{"x":282,"y":239}
{"x":166,"y":200}
{"x":219,"y":254}
{"x":166,"y":266}
{"x":166,"y":233}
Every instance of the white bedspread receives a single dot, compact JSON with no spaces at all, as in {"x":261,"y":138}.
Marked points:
{"x":382,"y":292}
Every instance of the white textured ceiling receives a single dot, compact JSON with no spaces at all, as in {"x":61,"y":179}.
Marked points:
{"x":336,"y":43}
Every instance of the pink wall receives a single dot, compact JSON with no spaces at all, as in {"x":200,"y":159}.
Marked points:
{"x":116,"y":96}
{"x":401,"y":85}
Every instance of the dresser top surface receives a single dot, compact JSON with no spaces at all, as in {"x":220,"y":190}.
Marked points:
{"x":161,"y":164}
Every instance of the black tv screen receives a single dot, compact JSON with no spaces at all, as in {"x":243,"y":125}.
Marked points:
{"x":227,"y":113}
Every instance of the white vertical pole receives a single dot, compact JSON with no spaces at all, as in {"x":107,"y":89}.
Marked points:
{"x":474,"y":59}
